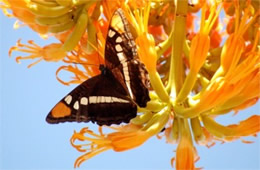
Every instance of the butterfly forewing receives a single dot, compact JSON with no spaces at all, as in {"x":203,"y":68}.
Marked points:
{"x":121,"y":59}
{"x":100,"y":99}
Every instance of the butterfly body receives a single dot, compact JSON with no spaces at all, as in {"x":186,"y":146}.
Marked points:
{"x":111,"y":97}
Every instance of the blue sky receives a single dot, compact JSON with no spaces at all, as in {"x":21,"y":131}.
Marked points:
{"x":28,"y":142}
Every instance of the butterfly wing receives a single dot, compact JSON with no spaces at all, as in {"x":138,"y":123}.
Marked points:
{"x":120,"y":46}
{"x":121,"y":59}
{"x":100,"y":99}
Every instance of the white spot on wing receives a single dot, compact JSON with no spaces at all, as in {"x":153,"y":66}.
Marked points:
{"x":125,"y":65}
{"x":119,"y":48}
{"x":84,"y":101}
{"x":68,"y":99}
{"x":111,"y":33}
{"x":115,"y":99}
{"x":129,"y":88}
{"x":92,"y":99}
{"x":119,"y":40}
{"x":127,"y":78}
{"x":125,"y":70}
{"x":103,"y":99}
{"x":108,"y":99}
{"x":118,"y":100}
{"x":100,"y":99}
{"x":76,"y":105}
{"x":121,"y":57}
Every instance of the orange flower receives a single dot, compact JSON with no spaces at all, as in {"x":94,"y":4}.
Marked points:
{"x":227,"y":87}
{"x":89,"y":62}
{"x":24,"y":15}
{"x":118,"y":141}
{"x":234,"y":46}
{"x":185,"y":154}
{"x":146,"y":47}
{"x":52,"y":52}
{"x":144,"y":41}
{"x":109,"y":8}
{"x":197,"y":80}
{"x":248,"y":127}
{"x":157,"y":32}
{"x":215,"y":39}
{"x":198,"y":52}
{"x":127,"y":137}
{"x":200,"y":45}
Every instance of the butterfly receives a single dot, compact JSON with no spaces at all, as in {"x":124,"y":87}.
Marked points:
{"x":112,"y":96}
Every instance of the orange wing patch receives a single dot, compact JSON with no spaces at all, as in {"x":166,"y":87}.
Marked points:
{"x":60,"y":110}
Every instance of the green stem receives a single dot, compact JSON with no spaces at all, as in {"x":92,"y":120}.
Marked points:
{"x":204,"y":83}
{"x":186,"y":112}
{"x":158,"y":86}
{"x":186,"y":49}
{"x":152,"y":105}
{"x":174,"y":134}
{"x":92,"y":41}
{"x":187,"y":86}
{"x":157,"y":121}
{"x":197,"y":130}
{"x":176,"y":65}
{"x":184,"y":129}
{"x":79,"y":29}
{"x":142,"y":119}
{"x":217,"y":129}
{"x":163,"y":46}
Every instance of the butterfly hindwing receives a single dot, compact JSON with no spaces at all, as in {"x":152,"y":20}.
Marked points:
{"x":100,"y":99}
{"x":140,"y":82}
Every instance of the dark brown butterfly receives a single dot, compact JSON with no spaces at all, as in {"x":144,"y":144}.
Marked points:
{"x":111,"y":97}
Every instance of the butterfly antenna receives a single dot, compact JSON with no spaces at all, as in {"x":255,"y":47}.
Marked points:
{"x":99,"y":53}
{"x":85,"y":64}
{"x":96,"y":48}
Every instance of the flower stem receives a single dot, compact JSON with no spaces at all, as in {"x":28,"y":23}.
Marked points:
{"x":186,"y":49}
{"x":197,"y":130}
{"x":158,"y":86}
{"x":163,"y":46}
{"x":176,"y":65}
{"x":188,"y":84}
{"x":157,"y":122}
{"x":77,"y":32}
{"x":142,"y":119}
{"x":217,"y":129}
{"x":152,"y":105}
{"x":184,"y":129}
{"x":174,"y":134}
